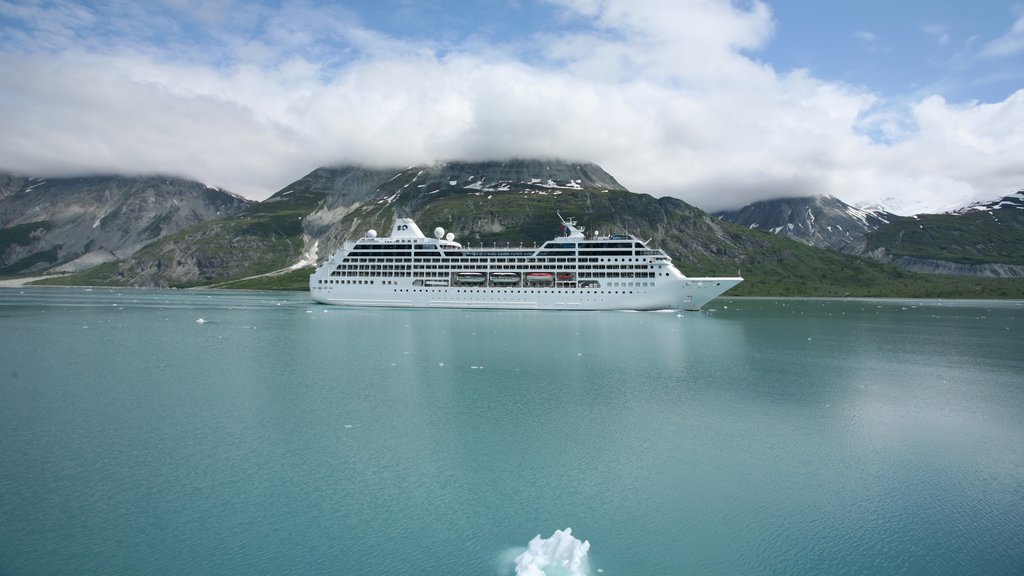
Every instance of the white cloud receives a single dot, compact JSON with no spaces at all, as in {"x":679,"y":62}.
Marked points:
{"x":1009,"y":44}
{"x":867,"y":37}
{"x":937,"y":31}
{"x":664,"y":94}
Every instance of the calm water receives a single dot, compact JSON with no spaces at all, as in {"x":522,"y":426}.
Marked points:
{"x":283,"y":437}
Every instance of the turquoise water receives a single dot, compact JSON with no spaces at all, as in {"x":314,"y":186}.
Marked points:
{"x":283,"y":437}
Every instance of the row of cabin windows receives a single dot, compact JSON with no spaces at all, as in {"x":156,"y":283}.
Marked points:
{"x":387,"y":251}
{"x":456,"y":261}
{"x":513,"y":291}
{"x":406,"y":247}
{"x":332,"y":281}
{"x":470,"y":268}
{"x":494,"y":266}
{"x":378,"y":265}
{"x":368,"y":247}
{"x":549,"y":246}
{"x":528,"y":291}
{"x":613,"y":245}
{"x":432,"y":274}
{"x":542,"y":253}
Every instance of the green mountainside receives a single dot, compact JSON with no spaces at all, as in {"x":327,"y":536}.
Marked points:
{"x":273,"y":244}
{"x":985,"y":237}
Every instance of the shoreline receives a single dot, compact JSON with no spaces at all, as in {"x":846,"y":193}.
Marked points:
{"x":24,"y":282}
{"x":19,"y":282}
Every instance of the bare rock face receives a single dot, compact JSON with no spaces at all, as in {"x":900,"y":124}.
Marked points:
{"x":985,"y":239}
{"x":50,"y":223}
{"x":512,"y":174}
{"x":821,"y":221}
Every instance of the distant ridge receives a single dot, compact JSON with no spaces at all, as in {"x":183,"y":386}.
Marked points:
{"x":1012,"y":202}
{"x":982,"y":239}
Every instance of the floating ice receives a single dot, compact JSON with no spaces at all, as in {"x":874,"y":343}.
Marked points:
{"x":560,"y":555}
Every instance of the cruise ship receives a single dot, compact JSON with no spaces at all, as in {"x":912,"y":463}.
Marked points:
{"x":572,"y":271}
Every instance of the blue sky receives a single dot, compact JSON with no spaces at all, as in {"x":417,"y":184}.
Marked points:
{"x":916,"y":105}
{"x":902,"y":49}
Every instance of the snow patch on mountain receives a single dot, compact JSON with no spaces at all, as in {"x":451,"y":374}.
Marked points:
{"x":1013,"y":201}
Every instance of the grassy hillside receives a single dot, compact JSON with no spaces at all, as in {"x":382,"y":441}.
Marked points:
{"x":983,"y":237}
{"x":782,"y":267}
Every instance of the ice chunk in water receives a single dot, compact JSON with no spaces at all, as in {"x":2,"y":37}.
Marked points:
{"x":560,"y":555}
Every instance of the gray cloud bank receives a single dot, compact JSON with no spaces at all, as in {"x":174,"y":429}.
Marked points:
{"x":665,"y":95}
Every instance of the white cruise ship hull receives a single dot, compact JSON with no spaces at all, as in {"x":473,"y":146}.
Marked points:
{"x":673,"y":294}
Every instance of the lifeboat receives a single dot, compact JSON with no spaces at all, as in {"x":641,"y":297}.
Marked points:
{"x":540,"y":277}
{"x":504,"y":277}
{"x":471,"y":277}
{"x":566,"y":276}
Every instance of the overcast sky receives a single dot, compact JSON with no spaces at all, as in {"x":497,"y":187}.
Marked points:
{"x":917,"y":103}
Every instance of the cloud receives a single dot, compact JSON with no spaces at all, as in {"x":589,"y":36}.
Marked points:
{"x":937,"y":31}
{"x":867,"y":37}
{"x":668,"y":96}
{"x":1007,"y":45}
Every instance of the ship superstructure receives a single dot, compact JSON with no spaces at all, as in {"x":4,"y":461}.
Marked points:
{"x":571,"y":271}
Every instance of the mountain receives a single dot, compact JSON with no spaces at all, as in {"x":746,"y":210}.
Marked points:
{"x":334,"y":204}
{"x":983,"y":239}
{"x":275,"y":243}
{"x":275,"y":235}
{"x":412,"y":190}
{"x":822,"y":221}
{"x":72,"y":224}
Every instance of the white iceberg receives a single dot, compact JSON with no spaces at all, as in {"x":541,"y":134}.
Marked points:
{"x":560,"y":555}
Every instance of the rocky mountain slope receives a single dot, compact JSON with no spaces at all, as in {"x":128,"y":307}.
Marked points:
{"x":983,"y":239}
{"x":72,"y":224}
{"x":822,"y":221}
{"x":317,"y":213}
{"x":275,"y":235}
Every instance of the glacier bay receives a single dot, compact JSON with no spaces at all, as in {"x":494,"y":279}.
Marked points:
{"x":227,"y":432}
